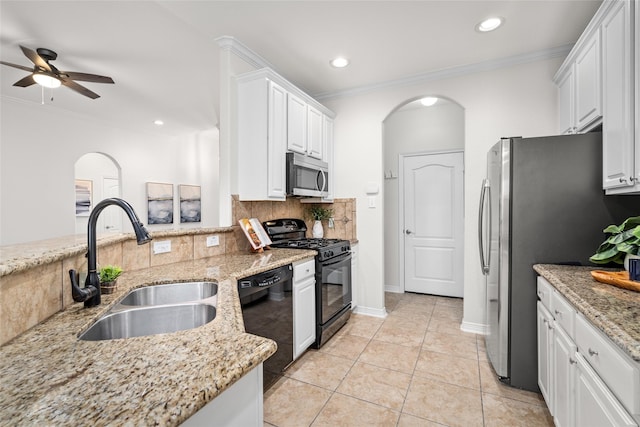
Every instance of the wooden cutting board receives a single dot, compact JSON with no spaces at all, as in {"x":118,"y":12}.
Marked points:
{"x":616,"y":278}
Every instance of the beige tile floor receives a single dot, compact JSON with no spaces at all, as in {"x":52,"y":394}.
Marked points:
{"x":414,"y":368}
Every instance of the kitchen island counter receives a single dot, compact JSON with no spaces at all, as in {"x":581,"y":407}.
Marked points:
{"x":615,"y":311}
{"x":50,"y":377}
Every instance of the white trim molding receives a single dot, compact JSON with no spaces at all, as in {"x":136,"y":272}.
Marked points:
{"x":474,"y":328}
{"x":243,"y":52}
{"x":556,"y":52}
{"x":368,"y":311}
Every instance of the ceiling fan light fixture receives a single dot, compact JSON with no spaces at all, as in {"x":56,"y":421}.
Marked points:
{"x":46,"y":80}
{"x":339,"y":62}
{"x":489,"y":24}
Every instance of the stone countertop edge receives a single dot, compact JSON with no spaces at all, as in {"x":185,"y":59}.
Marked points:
{"x":50,"y":377}
{"x":23,"y":256}
{"x":614,"y":311}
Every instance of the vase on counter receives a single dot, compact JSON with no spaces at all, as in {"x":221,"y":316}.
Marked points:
{"x":627,"y":258}
{"x":108,"y":287}
{"x":317,"y":230}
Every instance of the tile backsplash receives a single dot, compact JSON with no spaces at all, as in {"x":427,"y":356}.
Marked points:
{"x":344,"y":214}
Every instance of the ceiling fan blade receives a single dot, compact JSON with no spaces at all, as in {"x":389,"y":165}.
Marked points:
{"x":85,"y":77}
{"x":35,"y":58}
{"x":79,"y":88}
{"x":21,"y":67}
{"x":25,"y":81}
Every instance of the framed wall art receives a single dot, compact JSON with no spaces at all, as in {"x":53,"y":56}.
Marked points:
{"x":84,"y":196}
{"x":159,"y":203}
{"x":190,"y":204}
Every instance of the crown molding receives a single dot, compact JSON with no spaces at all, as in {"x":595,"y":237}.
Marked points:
{"x":243,"y":52}
{"x":445,"y":73}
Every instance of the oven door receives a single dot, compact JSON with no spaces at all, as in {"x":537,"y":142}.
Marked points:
{"x":333,"y":281}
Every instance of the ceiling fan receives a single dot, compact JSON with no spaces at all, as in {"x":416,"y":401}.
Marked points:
{"x":46,"y":74}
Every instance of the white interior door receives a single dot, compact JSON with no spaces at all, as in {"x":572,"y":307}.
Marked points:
{"x":433,"y":223}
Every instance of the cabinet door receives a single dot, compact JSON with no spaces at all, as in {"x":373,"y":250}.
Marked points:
{"x":296,"y":124}
{"x":545,"y":354}
{"x":566,"y":95}
{"x":304,"y":318}
{"x":617,"y":102}
{"x":564,"y":359}
{"x":277,"y":140}
{"x":588,"y":107}
{"x":327,"y":136}
{"x":595,"y":405}
{"x":314,"y":133}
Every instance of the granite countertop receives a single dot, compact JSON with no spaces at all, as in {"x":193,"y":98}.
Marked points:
{"x":613,"y":310}
{"x":49,"y":377}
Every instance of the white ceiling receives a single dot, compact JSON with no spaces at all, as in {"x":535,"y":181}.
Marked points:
{"x":163,"y":56}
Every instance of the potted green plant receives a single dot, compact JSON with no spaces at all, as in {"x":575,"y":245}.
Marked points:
{"x":108,"y":276}
{"x":623,"y":242}
{"x":319,"y":214}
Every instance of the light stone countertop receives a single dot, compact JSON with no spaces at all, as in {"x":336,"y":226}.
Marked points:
{"x":49,"y":377}
{"x":615,"y":311}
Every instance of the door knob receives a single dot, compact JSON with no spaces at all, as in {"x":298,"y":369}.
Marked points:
{"x":408,"y":231}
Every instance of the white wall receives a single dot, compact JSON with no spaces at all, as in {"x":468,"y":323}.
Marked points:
{"x":415,"y":130}
{"x":40,"y":146}
{"x":518,"y":100}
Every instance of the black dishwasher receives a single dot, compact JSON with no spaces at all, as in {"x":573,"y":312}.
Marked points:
{"x":267,"y":310}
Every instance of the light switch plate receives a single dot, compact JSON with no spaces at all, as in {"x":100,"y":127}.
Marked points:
{"x":162,"y":247}
{"x":213,"y":241}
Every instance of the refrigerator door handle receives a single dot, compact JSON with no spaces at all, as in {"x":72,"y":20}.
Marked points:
{"x":484,"y":261}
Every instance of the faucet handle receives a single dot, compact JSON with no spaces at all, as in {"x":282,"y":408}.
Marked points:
{"x":80,"y":294}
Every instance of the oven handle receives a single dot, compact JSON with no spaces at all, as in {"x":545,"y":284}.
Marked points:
{"x":340,"y":258}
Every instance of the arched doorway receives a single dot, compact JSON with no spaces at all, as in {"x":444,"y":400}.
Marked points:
{"x":97,"y":177}
{"x":410,"y":130}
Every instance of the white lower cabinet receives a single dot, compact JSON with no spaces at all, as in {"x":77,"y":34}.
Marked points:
{"x":562,"y":380}
{"x":584,"y":377}
{"x":595,"y":405}
{"x":238,"y":406}
{"x":545,"y":348}
{"x":304,"y":306}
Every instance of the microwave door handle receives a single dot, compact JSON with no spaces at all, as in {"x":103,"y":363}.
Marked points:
{"x":324,"y":181}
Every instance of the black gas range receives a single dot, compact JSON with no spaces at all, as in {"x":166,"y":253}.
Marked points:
{"x":333,"y":272}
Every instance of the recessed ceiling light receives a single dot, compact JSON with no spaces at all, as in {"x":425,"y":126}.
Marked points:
{"x":428,"y":101}
{"x":489,"y":24}
{"x":339,"y":62}
{"x":158,"y":122}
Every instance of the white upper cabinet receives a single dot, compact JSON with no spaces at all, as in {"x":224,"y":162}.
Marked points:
{"x":275,"y":117}
{"x":619,"y":167}
{"x":580,"y":86}
{"x":314,"y":133}
{"x":262,"y":143}
{"x":588,"y":96}
{"x":296,"y":124}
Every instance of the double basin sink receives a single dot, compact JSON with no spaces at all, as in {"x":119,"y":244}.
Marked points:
{"x":157,"y":309}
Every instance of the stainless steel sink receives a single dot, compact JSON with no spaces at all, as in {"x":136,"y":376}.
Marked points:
{"x":172,"y":293}
{"x":136,"y":322}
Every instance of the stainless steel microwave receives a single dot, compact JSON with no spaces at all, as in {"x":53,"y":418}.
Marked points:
{"x":306,"y":176}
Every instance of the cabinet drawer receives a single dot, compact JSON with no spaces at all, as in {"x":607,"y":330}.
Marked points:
{"x":563,"y":312}
{"x":619,"y":372}
{"x":303,"y":270}
{"x":544,"y":292}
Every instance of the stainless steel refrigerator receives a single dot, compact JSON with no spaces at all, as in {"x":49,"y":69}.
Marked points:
{"x":541,"y":203}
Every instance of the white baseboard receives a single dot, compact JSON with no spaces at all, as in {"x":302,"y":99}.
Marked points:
{"x":394,"y":289}
{"x":368,"y":311}
{"x":474,"y":328}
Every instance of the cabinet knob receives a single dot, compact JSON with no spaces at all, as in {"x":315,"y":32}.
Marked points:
{"x":557,"y":312}
{"x":572,"y":361}
{"x":634,"y":179}
{"x":622,"y":179}
{"x":592,"y":352}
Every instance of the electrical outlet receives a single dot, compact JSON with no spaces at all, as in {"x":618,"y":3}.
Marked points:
{"x":162,"y":247}
{"x":213,"y":241}
{"x":372,"y":201}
